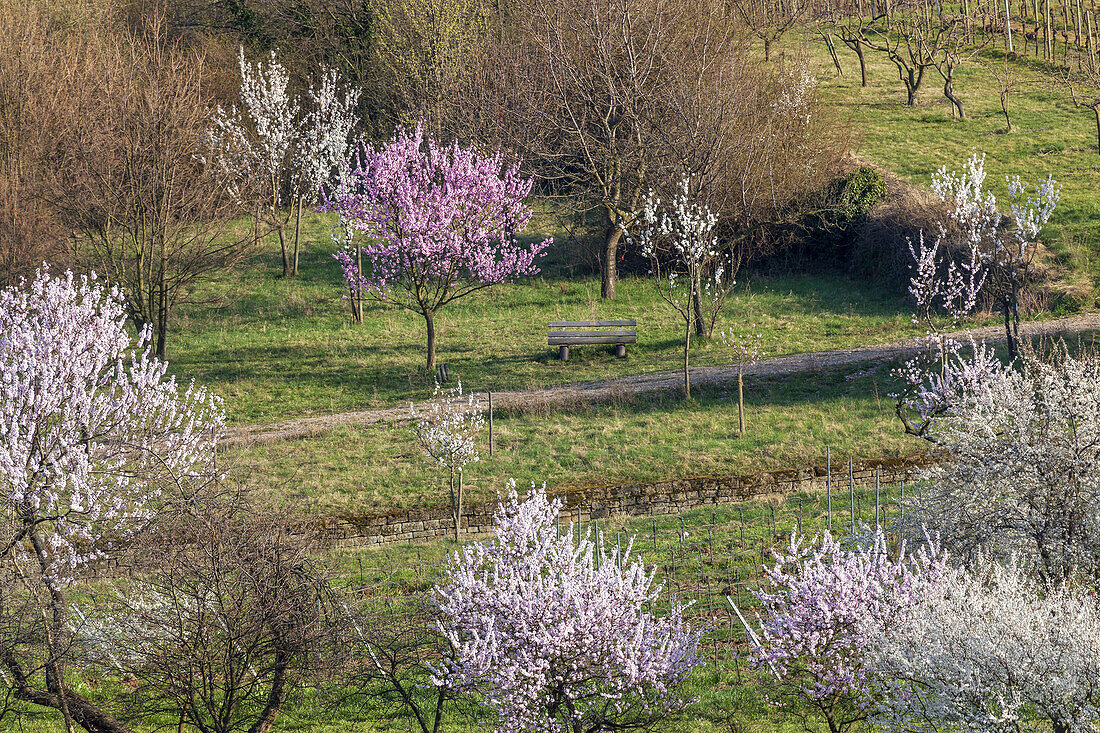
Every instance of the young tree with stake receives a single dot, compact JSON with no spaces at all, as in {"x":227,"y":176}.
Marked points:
{"x":745,"y":350}
{"x":447,"y":431}
{"x":443,"y":221}
{"x":693,"y":276}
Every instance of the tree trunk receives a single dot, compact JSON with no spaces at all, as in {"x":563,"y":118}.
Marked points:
{"x":949,"y":92}
{"x":275,"y":696}
{"x":1010,"y":336}
{"x":687,"y":346}
{"x":456,"y":515}
{"x":297,"y":235}
{"x":697,"y":306}
{"x":610,"y":274}
{"x":1008,"y":120}
{"x":162,"y":323}
{"x":767,"y":49}
{"x":858,"y":48}
{"x":1096,"y":111}
{"x":282,"y":246}
{"x":429,"y":321}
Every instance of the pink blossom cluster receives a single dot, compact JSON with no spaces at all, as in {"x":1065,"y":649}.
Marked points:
{"x":821,"y":603}
{"x":557,"y":634}
{"x":434,"y":214}
{"x":92,"y":429}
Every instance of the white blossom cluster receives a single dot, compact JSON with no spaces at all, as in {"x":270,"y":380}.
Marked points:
{"x":684,"y":229}
{"x":1019,"y":475}
{"x":447,"y":429}
{"x":942,"y":284}
{"x":92,"y":428}
{"x":289,"y":146}
{"x":990,"y":650}
{"x":797,"y":86}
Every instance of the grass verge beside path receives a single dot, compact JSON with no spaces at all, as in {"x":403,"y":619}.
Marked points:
{"x":790,"y":420}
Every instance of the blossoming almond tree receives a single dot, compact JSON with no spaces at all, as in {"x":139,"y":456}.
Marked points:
{"x":324,"y":144}
{"x":996,"y":262}
{"x":447,"y":431}
{"x":257,"y":141}
{"x":442,"y":222}
{"x":820,"y":605}
{"x":744,"y":350}
{"x":991,"y":650}
{"x":1019,"y":473}
{"x":559,"y":636}
{"x":92,"y":433}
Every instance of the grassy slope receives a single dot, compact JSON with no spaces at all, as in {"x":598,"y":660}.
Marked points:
{"x":1052,"y":137}
{"x":277,"y":348}
{"x":789,"y":422}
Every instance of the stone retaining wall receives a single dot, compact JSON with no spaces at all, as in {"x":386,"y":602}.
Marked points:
{"x":598,"y":502}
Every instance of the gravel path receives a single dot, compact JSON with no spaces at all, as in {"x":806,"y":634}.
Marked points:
{"x":610,"y":389}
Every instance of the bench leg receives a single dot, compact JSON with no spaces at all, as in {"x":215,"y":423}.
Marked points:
{"x":563,"y":353}
{"x":620,"y":349}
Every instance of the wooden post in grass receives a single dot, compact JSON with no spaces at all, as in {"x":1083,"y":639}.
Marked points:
{"x":878,"y":478}
{"x":490,"y":424}
{"x":828,"y":489}
{"x":1008,"y":25}
{"x":852,"y":494}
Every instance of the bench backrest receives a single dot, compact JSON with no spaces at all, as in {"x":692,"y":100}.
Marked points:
{"x":592,"y":324}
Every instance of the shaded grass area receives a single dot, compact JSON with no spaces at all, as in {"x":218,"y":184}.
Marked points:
{"x":790,"y":420}
{"x":1051,"y":137}
{"x":285,"y":347}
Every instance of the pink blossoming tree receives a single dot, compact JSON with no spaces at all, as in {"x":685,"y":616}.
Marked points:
{"x":92,"y":436}
{"x":558,"y":635}
{"x":441,"y":222}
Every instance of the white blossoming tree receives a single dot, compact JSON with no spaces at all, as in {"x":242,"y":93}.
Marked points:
{"x":321,"y":157}
{"x":998,"y":262}
{"x":1019,"y":472}
{"x":990,"y":650}
{"x":559,"y":636}
{"x":447,"y":431}
{"x":94,"y":436}
{"x":680,"y":241}
{"x":255,"y":143}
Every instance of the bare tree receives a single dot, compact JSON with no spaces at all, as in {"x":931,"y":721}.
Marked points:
{"x":232,"y":616}
{"x":916,"y":36}
{"x":578,"y":88}
{"x":144,"y":210}
{"x":769,"y":20}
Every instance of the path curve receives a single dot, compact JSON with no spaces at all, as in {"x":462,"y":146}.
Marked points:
{"x":610,"y":389}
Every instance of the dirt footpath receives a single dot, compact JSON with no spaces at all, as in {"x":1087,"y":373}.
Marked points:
{"x":610,"y":389}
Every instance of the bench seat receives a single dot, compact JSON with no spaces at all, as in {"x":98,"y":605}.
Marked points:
{"x":619,"y":333}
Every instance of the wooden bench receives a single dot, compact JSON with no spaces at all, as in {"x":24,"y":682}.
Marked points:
{"x":564,"y":334}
